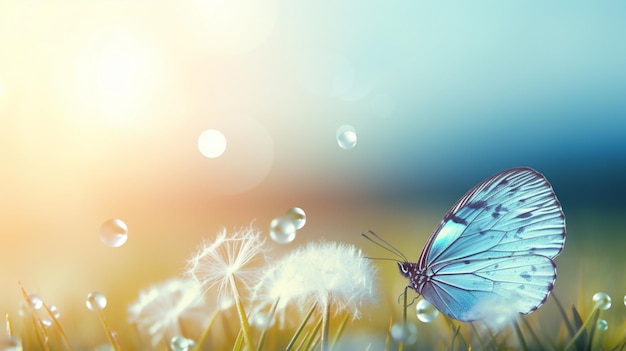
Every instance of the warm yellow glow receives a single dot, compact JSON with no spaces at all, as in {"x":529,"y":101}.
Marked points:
{"x":117,"y":73}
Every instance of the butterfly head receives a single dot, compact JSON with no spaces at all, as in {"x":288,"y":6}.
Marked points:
{"x":412,"y":272}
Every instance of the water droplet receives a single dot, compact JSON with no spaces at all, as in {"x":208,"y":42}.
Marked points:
{"x":426,"y":312}
{"x":602,"y":300}
{"x":114,"y":232}
{"x":35,"y":301}
{"x":96,"y":300}
{"x":603,"y":325}
{"x":180,"y":343}
{"x":624,"y":300}
{"x":212,"y":143}
{"x":282,"y":231}
{"x":55,"y":311}
{"x":404,"y":332}
{"x":262,"y":320}
{"x":297,"y":216}
{"x":346,"y":137}
{"x":46,"y":322}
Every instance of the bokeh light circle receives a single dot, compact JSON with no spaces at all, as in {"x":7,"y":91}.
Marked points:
{"x":212,"y":143}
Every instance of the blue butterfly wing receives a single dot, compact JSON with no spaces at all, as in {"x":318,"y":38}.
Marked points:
{"x":495,"y":246}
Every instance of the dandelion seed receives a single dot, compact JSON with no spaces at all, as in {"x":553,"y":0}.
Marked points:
{"x":330,"y":275}
{"x":226,"y":263}
{"x":159,"y":309}
{"x":226,"y":258}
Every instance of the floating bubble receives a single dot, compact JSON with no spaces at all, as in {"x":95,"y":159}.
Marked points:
{"x":212,"y":143}
{"x":282,"y":231}
{"x":35,"y":301}
{"x":297,"y":216}
{"x":603,"y":325}
{"x":96,"y":301}
{"x":114,"y":232}
{"x":602,"y":300}
{"x":404,"y":332}
{"x":180,"y":343}
{"x":426,"y":312}
{"x":262,"y":320}
{"x":346,"y":137}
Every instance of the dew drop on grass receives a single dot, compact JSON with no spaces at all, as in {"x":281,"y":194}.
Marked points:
{"x":35,"y":301}
{"x":346,"y":137}
{"x":55,"y":311}
{"x":297,"y":216}
{"x":96,"y":301}
{"x":114,"y":232}
{"x":603,"y":325}
{"x":404,"y":332}
{"x":282,"y":231}
{"x":602,"y":300}
{"x":426,"y":312}
{"x":180,"y":343}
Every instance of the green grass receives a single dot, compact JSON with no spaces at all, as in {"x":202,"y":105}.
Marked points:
{"x":39,"y":329}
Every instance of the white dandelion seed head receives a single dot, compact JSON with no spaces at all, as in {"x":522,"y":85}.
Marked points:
{"x":160,"y":308}
{"x":227,"y":257}
{"x":321,"y":273}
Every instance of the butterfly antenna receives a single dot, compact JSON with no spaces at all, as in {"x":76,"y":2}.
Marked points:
{"x":382,"y":243}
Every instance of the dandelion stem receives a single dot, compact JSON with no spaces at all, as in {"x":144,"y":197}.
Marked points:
{"x":293,"y":340}
{"x":205,"y":333}
{"x":339,"y":332}
{"x":326,"y":325}
{"x":271,"y":317}
{"x":245,"y":327}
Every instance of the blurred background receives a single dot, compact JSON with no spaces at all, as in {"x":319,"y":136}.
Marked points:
{"x":102,"y":104}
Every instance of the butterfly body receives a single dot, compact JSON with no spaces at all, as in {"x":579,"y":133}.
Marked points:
{"x":494,"y":248}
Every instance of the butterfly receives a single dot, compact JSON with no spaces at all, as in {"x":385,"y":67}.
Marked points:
{"x":495,"y":247}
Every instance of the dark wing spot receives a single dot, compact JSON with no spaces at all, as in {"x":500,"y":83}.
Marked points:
{"x":503,"y":182}
{"x":466,"y":261}
{"x":498,"y":208}
{"x":533,"y":268}
{"x":521,"y":287}
{"x":495,"y":214}
{"x":525,"y":275}
{"x":520,"y":230}
{"x":514,"y":190}
{"x":496,"y":266}
{"x":459,"y":220}
{"x":482,"y":232}
{"x":477,"y":204}
{"x":525,"y":215}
